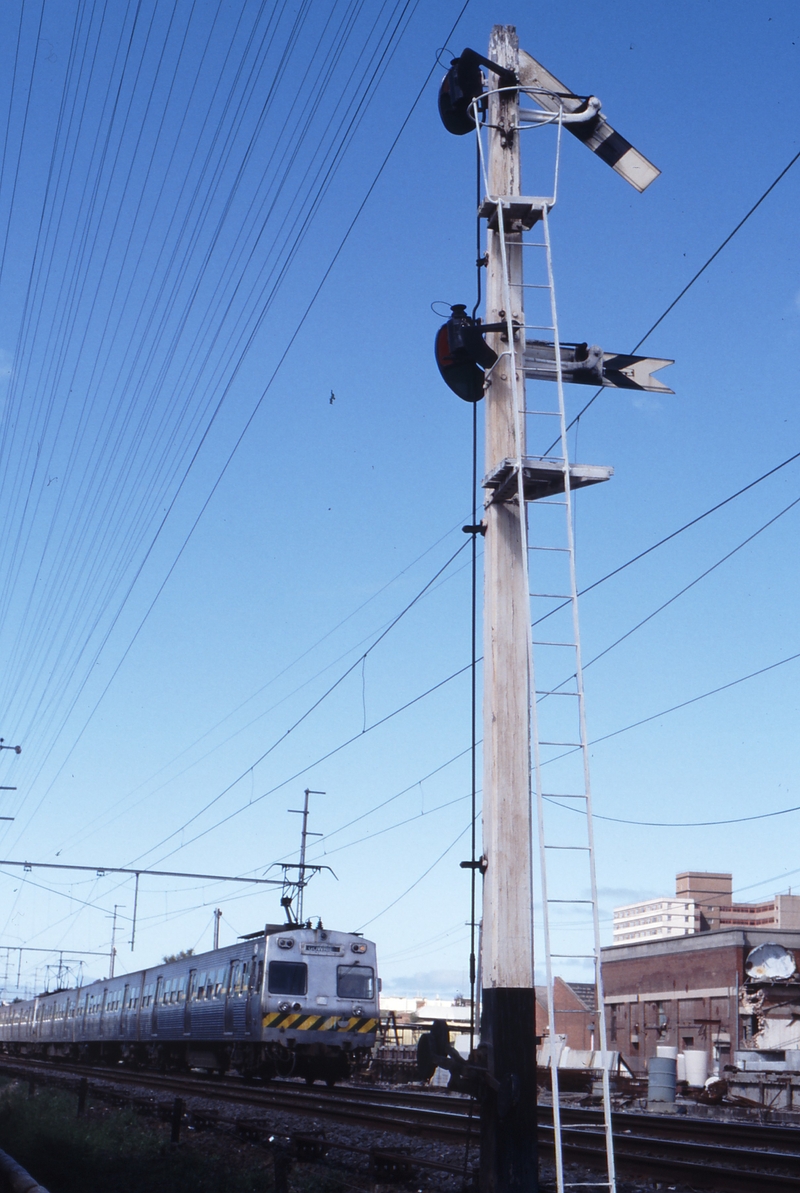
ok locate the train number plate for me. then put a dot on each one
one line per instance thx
(323, 950)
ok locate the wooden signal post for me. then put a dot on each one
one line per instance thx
(508, 1115)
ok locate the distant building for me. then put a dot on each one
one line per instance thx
(575, 1014)
(703, 902)
(663, 916)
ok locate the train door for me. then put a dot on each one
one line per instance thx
(252, 1020)
(191, 991)
(123, 1011)
(154, 1012)
(234, 972)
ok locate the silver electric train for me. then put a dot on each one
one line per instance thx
(289, 1001)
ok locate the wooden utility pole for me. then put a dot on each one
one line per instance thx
(508, 1116)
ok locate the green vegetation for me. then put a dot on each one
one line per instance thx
(181, 956)
(115, 1150)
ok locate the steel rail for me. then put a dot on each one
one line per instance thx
(731, 1156)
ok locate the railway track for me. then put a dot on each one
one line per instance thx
(700, 1152)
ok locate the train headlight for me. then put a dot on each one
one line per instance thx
(285, 942)
(357, 1010)
(358, 948)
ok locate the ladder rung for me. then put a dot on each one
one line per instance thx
(534, 286)
(576, 848)
(538, 327)
(589, 901)
(537, 642)
(578, 745)
(532, 244)
(565, 549)
(576, 956)
(553, 596)
(543, 501)
(550, 413)
(550, 795)
(538, 692)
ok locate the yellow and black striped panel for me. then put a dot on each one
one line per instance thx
(300, 1022)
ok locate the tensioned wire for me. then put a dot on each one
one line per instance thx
(472, 748)
(335, 256)
(623, 730)
(729, 499)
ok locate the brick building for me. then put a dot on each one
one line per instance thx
(574, 1013)
(693, 992)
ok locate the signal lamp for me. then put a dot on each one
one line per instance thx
(462, 354)
(461, 85)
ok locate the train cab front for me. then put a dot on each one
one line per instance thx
(320, 1002)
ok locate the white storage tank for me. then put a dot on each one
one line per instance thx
(696, 1061)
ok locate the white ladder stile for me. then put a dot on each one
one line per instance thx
(598, 972)
(577, 736)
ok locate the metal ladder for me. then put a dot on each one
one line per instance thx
(557, 709)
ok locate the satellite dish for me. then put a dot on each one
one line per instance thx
(770, 963)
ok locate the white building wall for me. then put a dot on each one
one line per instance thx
(654, 918)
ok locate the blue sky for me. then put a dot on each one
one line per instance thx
(172, 195)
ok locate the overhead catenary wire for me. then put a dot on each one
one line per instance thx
(683, 704)
(416, 881)
(690, 283)
(681, 592)
(683, 823)
(411, 786)
(347, 233)
(124, 800)
(312, 708)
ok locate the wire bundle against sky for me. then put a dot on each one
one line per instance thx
(426, 588)
(213, 260)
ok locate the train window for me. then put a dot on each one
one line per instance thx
(288, 977)
(201, 982)
(355, 981)
(236, 977)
